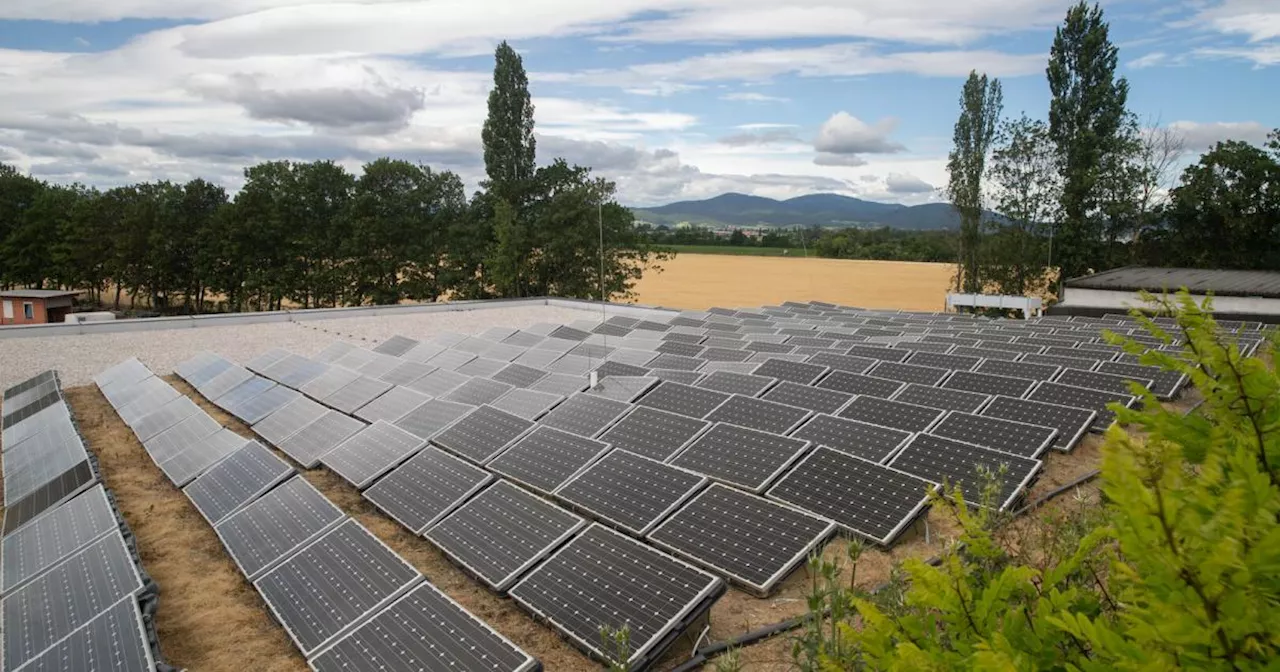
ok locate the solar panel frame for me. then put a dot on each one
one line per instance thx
(910, 373)
(258, 522)
(527, 404)
(943, 398)
(478, 392)
(989, 383)
(242, 477)
(416, 493)
(288, 419)
(406, 372)
(644, 650)
(1069, 431)
(664, 537)
(330, 546)
(728, 382)
(184, 467)
(259, 407)
(999, 434)
(54, 535)
(874, 443)
(41, 458)
(1096, 380)
(585, 414)
(358, 646)
(1082, 397)
(519, 375)
(709, 454)
(803, 373)
(1019, 369)
(307, 445)
(373, 451)
(100, 639)
(623, 388)
(561, 383)
(68, 484)
(482, 434)
(891, 413)
(907, 461)
(760, 414)
(503, 502)
(859, 384)
(1166, 384)
(356, 393)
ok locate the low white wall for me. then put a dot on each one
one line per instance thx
(1122, 301)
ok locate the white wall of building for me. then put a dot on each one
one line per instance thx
(1077, 297)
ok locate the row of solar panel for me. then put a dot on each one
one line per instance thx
(500, 502)
(70, 584)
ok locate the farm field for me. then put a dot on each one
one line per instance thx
(737, 251)
(700, 281)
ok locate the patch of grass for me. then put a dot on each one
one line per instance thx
(738, 251)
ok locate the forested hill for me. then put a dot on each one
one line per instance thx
(811, 210)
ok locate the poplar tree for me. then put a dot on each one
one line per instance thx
(980, 105)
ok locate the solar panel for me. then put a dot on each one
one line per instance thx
(752, 541)
(562, 384)
(877, 352)
(519, 375)
(842, 362)
(729, 382)
(585, 414)
(987, 383)
(766, 416)
(502, 532)
(195, 459)
(943, 361)
(243, 392)
(889, 413)
(623, 388)
(40, 398)
(629, 491)
(392, 406)
(261, 362)
(57, 490)
(114, 639)
(236, 481)
(677, 376)
(748, 458)
(450, 360)
(910, 373)
(477, 392)
(380, 365)
(439, 382)
(290, 418)
(632, 356)
(55, 535)
(35, 381)
(223, 383)
(276, 524)
(483, 366)
(1080, 397)
(943, 398)
(66, 597)
(545, 458)
(426, 487)
(423, 352)
(307, 445)
(356, 393)
(334, 583)
(334, 351)
(859, 384)
(967, 467)
(803, 373)
(816, 399)
(424, 628)
(1165, 384)
(1070, 423)
(482, 434)
(618, 369)
(259, 407)
(986, 353)
(328, 382)
(861, 439)
(652, 325)
(1026, 370)
(1084, 361)
(527, 404)
(685, 400)
(128, 372)
(207, 372)
(625, 584)
(126, 393)
(371, 452)
(432, 417)
(556, 345)
(1026, 348)
(1009, 436)
(569, 333)
(41, 458)
(395, 346)
(355, 359)
(406, 372)
(677, 362)
(1095, 380)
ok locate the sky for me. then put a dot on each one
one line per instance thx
(672, 99)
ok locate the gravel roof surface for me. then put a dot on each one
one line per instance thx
(78, 358)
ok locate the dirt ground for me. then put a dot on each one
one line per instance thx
(700, 281)
(210, 618)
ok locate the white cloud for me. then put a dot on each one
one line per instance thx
(753, 97)
(844, 133)
(1149, 60)
(1257, 19)
(1262, 55)
(1199, 137)
(905, 183)
(846, 160)
(761, 137)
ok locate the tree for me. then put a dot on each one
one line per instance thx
(980, 105)
(18, 193)
(509, 145)
(1226, 212)
(1086, 119)
(1173, 569)
(1026, 189)
(738, 238)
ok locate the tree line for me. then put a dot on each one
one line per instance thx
(881, 243)
(1090, 188)
(312, 234)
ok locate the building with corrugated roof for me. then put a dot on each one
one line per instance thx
(1239, 295)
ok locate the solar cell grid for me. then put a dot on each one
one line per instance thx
(505, 352)
(181, 436)
(943, 398)
(1095, 380)
(523, 339)
(371, 452)
(678, 362)
(450, 360)
(67, 596)
(609, 369)
(439, 382)
(559, 346)
(519, 375)
(527, 404)
(610, 330)
(355, 358)
(880, 353)
(653, 433)
(41, 458)
(284, 422)
(574, 365)
(989, 383)
(686, 400)
(356, 393)
(428, 629)
(943, 361)
(147, 403)
(545, 458)
(302, 373)
(234, 482)
(392, 406)
(502, 532)
(380, 365)
(35, 381)
(265, 404)
(195, 459)
(1008, 436)
(652, 325)
(632, 356)
(867, 441)
(847, 363)
(333, 583)
(482, 366)
(27, 403)
(585, 414)
(333, 379)
(653, 594)
(307, 445)
(967, 467)
(736, 383)
(858, 384)
(623, 388)
(395, 346)
(920, 346)
(1165, 383)
(986, 353)
(472, 345)
(55, 535)
(65, 486)
(889, 413)
(1020, 369)
(909, 373)
(1083, 362)
(114, 639)
(123, 394)
(1025, 348)
(125, 373)
(740, 456)
(1070, 423)
(243, 392)
(804, 373)
(478, 391)
(760, 344)
(426, 488)
(482, 434)
(276, 524)
(407, 372)
(563, 384)
(423, 352)
(1081, 397)
(677, 376)
(766, 416)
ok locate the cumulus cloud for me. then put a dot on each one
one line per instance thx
(847, 160)
(1199, 137)
(379, 108)
(844, 134)
(902, 183)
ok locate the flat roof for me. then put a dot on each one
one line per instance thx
(36, 293)
(1198, 280)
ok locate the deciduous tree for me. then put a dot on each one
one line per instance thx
(981, 102)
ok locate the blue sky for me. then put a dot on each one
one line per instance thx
(673, 99)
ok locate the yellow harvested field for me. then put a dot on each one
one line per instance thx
(701, 281)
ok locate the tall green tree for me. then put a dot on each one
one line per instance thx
(1026, 188)
(509, 146)
(18, 193)
(981, 102)
(1086, 121)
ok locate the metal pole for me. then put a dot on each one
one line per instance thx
(600, 219)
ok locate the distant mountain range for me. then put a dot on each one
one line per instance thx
(827, 210)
